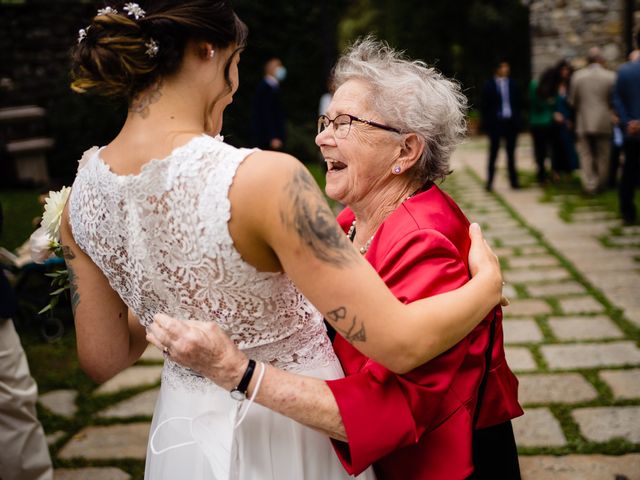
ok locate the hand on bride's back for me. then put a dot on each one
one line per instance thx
(201, 346)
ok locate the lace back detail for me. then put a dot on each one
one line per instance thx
(161, 238)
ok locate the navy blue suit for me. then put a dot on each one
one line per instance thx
(497, 126)
(267, 119)
(626, 103)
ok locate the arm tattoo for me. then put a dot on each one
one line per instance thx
(67, 253)
(305, 212)
(73, 288)
(354, 332)
(140, 104)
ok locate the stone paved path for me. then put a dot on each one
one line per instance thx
(571, 333)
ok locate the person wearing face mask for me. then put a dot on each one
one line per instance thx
(267, 119)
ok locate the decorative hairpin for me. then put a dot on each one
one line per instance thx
(134, 10)
(82, 34)
(107, 11)
(152, 48)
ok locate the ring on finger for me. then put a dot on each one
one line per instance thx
(165, 352)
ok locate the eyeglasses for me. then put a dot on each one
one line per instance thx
(342, 124)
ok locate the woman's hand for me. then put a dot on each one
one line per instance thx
(200, 346)
(482, 261)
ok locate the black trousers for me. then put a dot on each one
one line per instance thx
(495, 456)
(508, 130)
(629, 179)
(541, 143)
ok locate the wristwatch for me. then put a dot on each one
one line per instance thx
(240, 392)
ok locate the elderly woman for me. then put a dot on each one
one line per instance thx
(387, 138)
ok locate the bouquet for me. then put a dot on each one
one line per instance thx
(45, 243)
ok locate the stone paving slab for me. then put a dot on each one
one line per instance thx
(625, 384)
(520, 359)
(586, 328)
(111, 442)
(518, 240)
(538, 275)
(139, 405)
(580, 467)
(580, 305)
(538, 428)
(54, 437)
(91, 473)
(568, 287)
(527, 306)
(589, 216)
(613, 354)
(522, 331)
(601, 424)
(533, 261)
(624, 241)
(564, 388)
(131, 377)
(60, 402)
(533, 250)
(509, 291)
(152, 354)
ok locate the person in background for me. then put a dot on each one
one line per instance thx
(590, 96)
(626, 101)
(500, 111)
(542, 102)
(564, 158)
(268, 117)
(24, 454)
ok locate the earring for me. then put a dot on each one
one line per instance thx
(397, 169)
(212, 54)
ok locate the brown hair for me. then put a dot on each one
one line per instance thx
(112, 59)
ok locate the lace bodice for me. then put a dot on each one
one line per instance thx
(161, 239)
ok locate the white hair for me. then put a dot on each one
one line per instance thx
(411, 96)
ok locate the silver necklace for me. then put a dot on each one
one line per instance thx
(351, 234)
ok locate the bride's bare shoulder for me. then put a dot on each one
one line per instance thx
(266, 171)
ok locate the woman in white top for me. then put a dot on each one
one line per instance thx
(166, 219)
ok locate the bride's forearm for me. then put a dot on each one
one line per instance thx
(437, 323)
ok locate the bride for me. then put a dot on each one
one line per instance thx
(167, 219)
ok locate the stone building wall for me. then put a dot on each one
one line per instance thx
(568, 28)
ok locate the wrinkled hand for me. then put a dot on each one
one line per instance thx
(200, 346)
(482, 261)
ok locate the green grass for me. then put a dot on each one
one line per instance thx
(20, 207)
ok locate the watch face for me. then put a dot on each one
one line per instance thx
(238, 395)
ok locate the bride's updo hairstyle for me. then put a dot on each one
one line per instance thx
(129, 46)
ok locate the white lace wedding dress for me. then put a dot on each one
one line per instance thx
(161, 239)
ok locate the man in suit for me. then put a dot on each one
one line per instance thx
(267, 119)
(590, 96)
(626, 102)
(500, 110)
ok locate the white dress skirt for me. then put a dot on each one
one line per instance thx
(198, 439)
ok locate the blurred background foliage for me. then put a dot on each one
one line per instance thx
(464, 39)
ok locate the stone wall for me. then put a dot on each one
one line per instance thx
(568, 28)
(34, 49)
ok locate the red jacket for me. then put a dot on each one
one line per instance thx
(419, 425)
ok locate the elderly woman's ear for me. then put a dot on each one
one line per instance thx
(411, 149)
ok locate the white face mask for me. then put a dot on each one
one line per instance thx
(280, 73)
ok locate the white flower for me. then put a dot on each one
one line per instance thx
(152, 48)
(53, 212)
(219, 137)
(133, 9)
(40, 245)
(82, 34)
(106, 11)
